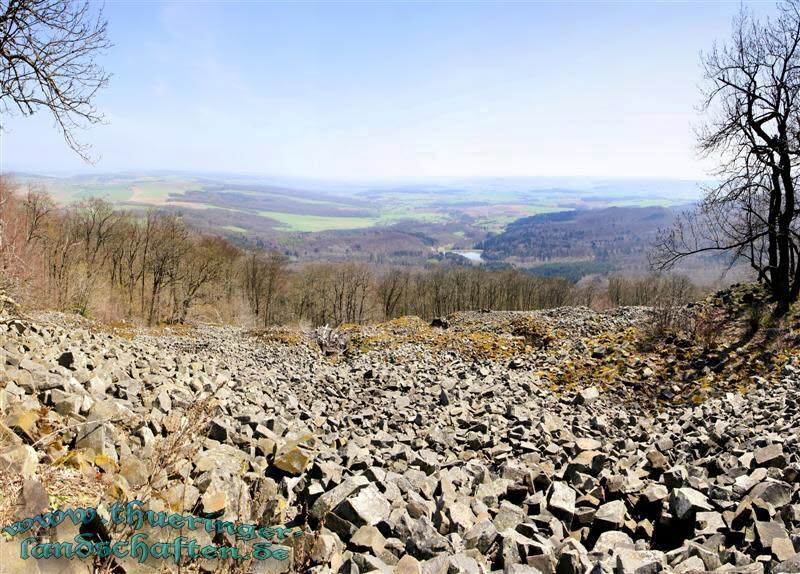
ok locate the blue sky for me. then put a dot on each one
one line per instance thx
(394, 90)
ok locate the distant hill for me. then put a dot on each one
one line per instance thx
(404, 222)
(613, 233)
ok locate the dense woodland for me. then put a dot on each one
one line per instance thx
(151, 267)
(612, 233)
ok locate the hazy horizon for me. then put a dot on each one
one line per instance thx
(393, 91)
(479, 182)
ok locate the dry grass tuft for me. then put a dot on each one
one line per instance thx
(10, 492)
(287, 336)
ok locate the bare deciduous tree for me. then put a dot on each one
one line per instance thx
(47, 61)
(168, 244)
(97, 221)
(752, 102)
(127, 259)
(262, 277)
(391, 289)
(38, 206)
(205, 261)
(253, 278)
(274, 276)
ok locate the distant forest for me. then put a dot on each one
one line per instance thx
(609, 234)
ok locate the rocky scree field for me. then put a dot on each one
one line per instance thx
(563, 441)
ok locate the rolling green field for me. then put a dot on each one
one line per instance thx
(295, 222)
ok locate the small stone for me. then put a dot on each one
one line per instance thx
(587, 396)
(612, 512)
(788, 566)
(481, 536)
(135, 472)
(508, 516)
(20, 459)
(655, 493)
(23, 420)
(573, 558)
(34, 498)
(521, 569)
(214, 501)
(675, 477)
(323, 548)
(774, 492)
(463, 563)
(425, 541)
(771, 455)
(369, 538)
(408, 565)
(218, 430)
(66, 359)
(782, 549)
(293, 459)
(708, 522)
(657, 460)
(562, 499)
(685, 501)
(369, 506)
(631, 561)
(691, 565)
(273, 565)
(332, 498)
(768, 532)
(611, 540)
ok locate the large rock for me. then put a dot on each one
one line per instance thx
(293, 459)
(771, 455)
(611, 540)
(774, 492)
(684, 502)
(562, 499)
(613, 513)
(587, 396)
(368, 506)
(334, 497)
(631, 561)
(21, 460)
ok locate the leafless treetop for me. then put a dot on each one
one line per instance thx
(47, 61)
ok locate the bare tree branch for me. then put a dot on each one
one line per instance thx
(47, 61)
(752, 105)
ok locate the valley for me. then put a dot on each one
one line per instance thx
(406, 223)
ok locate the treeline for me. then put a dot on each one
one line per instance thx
(149, 266)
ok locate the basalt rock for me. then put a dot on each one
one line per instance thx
(430, 450)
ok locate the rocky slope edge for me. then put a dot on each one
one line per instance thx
(564, 441)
